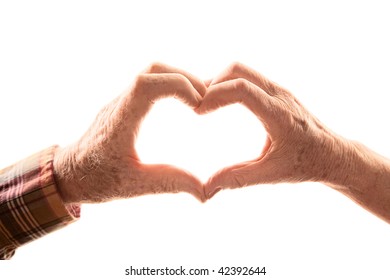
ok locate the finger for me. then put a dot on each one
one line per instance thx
(220, 179)
(161, 178)
(238, 70)
(152, 87)
(243, 92)
(160, 68)
(147, 89)
(242, 175)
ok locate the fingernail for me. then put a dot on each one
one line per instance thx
(214, 192)
(199, 110)
(202, 196)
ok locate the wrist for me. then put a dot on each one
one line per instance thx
(330, 157)
(364, 176)
(354, 167)
(341, 161)
(64, 174)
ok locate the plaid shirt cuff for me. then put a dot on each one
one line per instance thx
(30, 205)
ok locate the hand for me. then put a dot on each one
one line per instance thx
(298, 147)
(104, 165)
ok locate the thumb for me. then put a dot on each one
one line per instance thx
(242, 175)
(162, 178)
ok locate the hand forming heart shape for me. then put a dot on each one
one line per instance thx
(202, 144)
(104, 164)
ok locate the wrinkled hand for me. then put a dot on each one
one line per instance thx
(104, 165)
(298, 147)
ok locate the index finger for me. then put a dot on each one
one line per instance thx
(146, 90)
(243, 92)
(160, 68)
(238, 70)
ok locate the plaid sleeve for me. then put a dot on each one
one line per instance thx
(30, 205)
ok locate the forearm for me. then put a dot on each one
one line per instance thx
(363, 176)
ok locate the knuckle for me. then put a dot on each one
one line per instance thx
(271, 87)
(155, 67)
(241, 85)
(182, 81)
(139, 83)
(236, 67)
(180, 77)
(275, 89)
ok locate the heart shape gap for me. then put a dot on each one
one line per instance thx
(172, 133)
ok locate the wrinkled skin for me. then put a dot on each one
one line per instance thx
(298, 145)
(298, 148)
(104, 165)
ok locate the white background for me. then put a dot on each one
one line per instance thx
(60, 62)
